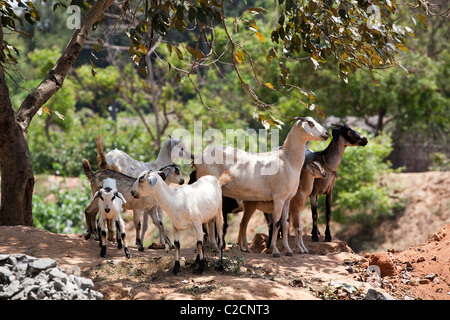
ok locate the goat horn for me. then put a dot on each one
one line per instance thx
(297, 118)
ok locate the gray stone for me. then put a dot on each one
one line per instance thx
(13, 288)
(58, 274)
(5, 275)
(374, 295)
(84, 283)
(38, 265)
(24, 277)
(3, 258)
(58, 285)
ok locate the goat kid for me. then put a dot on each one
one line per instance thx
(124, 185)
(187, 206)
(330, 159)
(110, 206)
(251, 181)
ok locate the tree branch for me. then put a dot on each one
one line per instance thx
(55, 77)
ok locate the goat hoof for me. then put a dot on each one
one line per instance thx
(289, 253)
(141, 248)
(176, 268)
(202, 267)
(328, 239)
(315, 238)
(103, 252)
(220, 267)
(276, 254)
(127, 253)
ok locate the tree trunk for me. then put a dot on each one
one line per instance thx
(17, 177)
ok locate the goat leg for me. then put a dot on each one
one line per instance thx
(90, 213)
(329, 198)
(249, 209)
(315, 231)
(176, 241)
(156, 218)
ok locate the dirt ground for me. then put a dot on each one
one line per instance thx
(418, 268)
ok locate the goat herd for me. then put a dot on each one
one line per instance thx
(278, 183)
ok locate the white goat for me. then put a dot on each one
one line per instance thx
(270, 176)
(120, 161)
(110, 205)
(187, 206)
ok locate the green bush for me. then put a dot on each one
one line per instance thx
(64, 213)
(64, 153)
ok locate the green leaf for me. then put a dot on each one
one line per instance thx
(93, 71)
(423, 19)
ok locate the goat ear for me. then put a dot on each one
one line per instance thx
(97, 194)
(119, 195)
(152, 181)
(297, 118)
(163, 173)
(166, 172)
(314, 168)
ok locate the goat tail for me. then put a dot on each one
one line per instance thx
(225, 178)
(87, 170)
(101, 158)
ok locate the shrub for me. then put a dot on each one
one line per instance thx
(64, 213)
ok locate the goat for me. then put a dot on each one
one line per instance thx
(265, 176)
(309, 173)
(330, 159)
(124, 184)
(120, 161)
(110, 204)
(187, 206)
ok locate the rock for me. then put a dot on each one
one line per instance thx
(58, 274)
(24, 277)
(430, 276)
(384, 262)
(5, 275)
(84, 283)
(374, 295)
(39, 265)
(3, 258)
